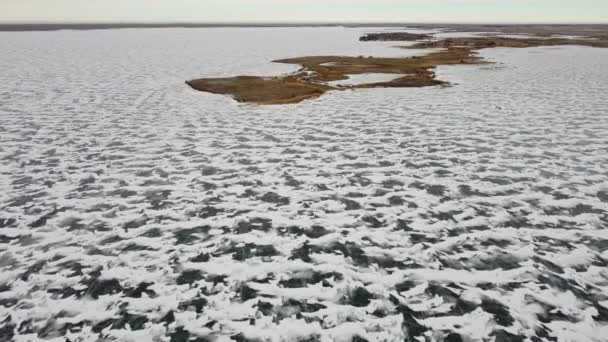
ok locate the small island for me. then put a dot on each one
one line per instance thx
(318, 73)
(394, 37)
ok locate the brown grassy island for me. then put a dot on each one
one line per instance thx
(394, 36)
(311, 80)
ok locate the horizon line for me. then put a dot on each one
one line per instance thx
(312, 22)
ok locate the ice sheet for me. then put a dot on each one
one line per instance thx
(134, 208)
(365, 79)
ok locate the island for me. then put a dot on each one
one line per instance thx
(317, 74)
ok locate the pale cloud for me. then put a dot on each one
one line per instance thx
(306, 10)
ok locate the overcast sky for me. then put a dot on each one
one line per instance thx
(578, 11)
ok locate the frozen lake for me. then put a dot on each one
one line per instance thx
(133, 208)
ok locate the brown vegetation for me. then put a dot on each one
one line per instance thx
(539, 30)
(394, 36)
(491, 42)
(261, 90)
(311, 80)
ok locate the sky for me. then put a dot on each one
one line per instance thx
(485, 11)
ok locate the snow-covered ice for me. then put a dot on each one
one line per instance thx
(365, 79)
(133, 208)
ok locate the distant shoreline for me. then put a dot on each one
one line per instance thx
(17, 27)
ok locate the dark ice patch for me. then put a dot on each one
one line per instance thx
(72, 224)
(7, 222)
(122, 193)
(136, 223)
(195, 304)
(271, 197)
(33, 269)
(433, 189)
(602, 313)
(396, 201)
(141, 288)
(543, 334)
(7, 329)
(250, 250)
(54, 329)
(453, 337)
(311, 278)
(350, 204)
(349, 250)
(499, 310)
(265, 308)
(392, 183)
(302, 253)
(445, 216)
(256, 223)
(102, 287)
(41, 221)
(359, 180)
(189, 236)
(410, 325)
(502, 243)
(435, 289)
(111, 240)
(134, 321)
(504, 336)
(292, 181)
(209, 171)
(182, 335)
(462, 307)
(189, 277)
(168, 318)
(403, 225)
(205, 212)
(291, 307)
(551, 313)
(503, 261)
(416, 238)
(563, 284)
(203, 257)
(158, 198)
(152, 233)
(578, 209)
(313, 232)
(373, 221)
(467, 191)
(134, 247)
(246, 293)
(355, 195)
(550, 265)
(359, 297)
(405, 285)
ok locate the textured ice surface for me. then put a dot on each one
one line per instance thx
(365, 79)
(136, 209)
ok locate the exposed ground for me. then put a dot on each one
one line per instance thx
(591, 30)
(311, 80)
(492, 42)
(394, 36)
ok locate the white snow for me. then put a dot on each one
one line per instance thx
(108, 159)
(365, 79)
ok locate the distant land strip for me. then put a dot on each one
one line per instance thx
(586, 29)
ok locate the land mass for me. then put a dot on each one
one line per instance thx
(313, 78)
(394, 36)
(540, 30)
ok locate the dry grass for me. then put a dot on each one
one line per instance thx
(311, 81)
